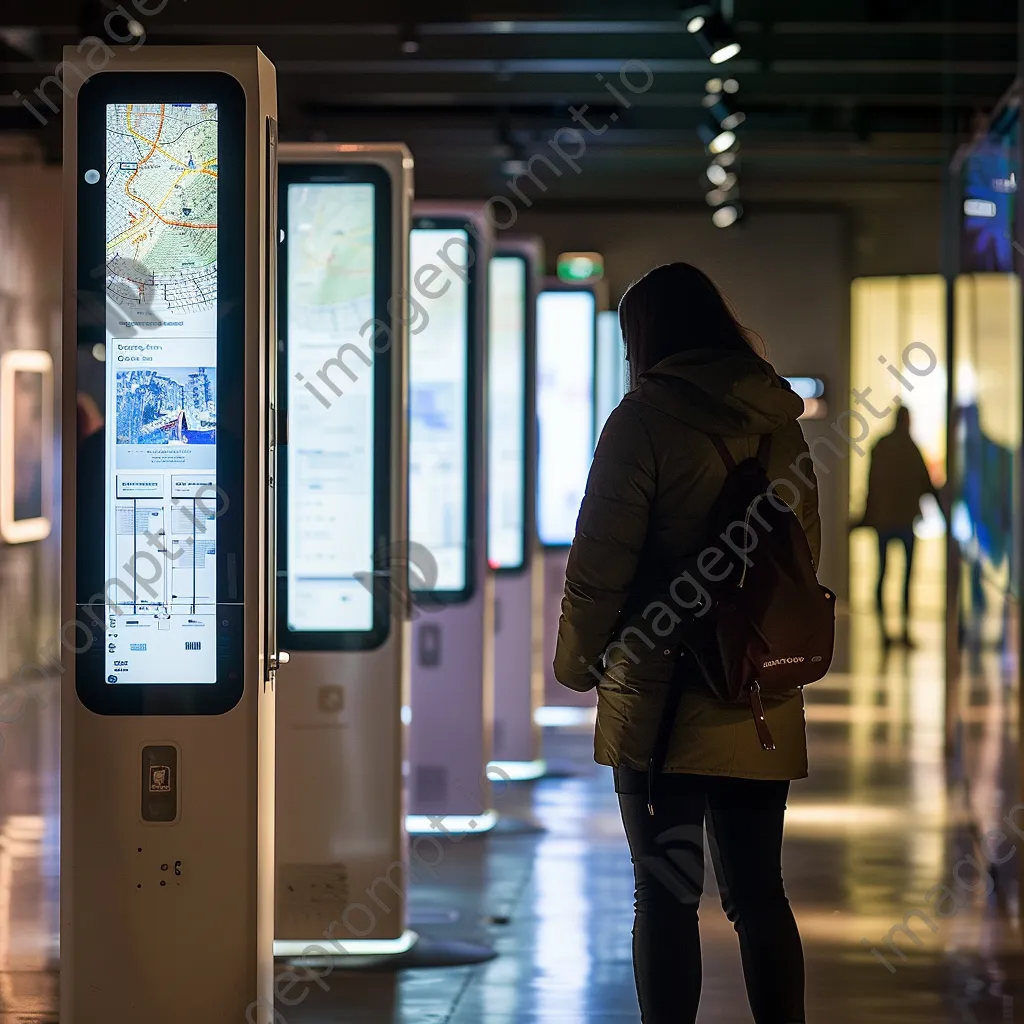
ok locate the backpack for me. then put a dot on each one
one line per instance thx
(768, 626)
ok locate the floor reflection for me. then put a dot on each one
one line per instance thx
(882, 825)
(883, 821)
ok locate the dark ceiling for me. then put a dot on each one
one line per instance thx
(841, 96)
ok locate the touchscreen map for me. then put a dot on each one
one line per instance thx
(161, 392)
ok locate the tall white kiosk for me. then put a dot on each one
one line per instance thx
(169, 654)
(511, 469)
(453, 625)
(566, 436)
(611, 375)
(343, 360)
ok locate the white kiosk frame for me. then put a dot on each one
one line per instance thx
(341, 842)
(518, 592)
(168, 916)
(555, 554)
(452, 700)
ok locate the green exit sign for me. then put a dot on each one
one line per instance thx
(580, 266)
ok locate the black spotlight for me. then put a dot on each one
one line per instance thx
(715, 36)
(727, 214)
(724, 111)
(408, 40)
(723, 180)
(716, 138)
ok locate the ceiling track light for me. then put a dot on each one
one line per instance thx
(713, 86)
(716, 138)
(724, 111)
(727, 215)
(715, 36)
(408, 40)
(721, 178)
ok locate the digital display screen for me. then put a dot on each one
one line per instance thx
(990, 176)
(565, 409)
(162, 498)
(506, 412)
(159, 546)
(612, 369)
(440, 399)
(26, 411)
(329, 483)
(28, 445)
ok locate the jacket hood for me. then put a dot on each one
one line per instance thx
(716, 392)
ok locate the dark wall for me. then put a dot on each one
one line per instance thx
(787, 275)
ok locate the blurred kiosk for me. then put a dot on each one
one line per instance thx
(566, 402)
(453, 623)
(611, 368)
(511, 468)
(343, 264)
(167, 823)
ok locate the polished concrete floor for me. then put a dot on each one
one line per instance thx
(884, 818)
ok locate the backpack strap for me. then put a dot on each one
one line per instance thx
(730, 462)
(764, 449)
(666, 726)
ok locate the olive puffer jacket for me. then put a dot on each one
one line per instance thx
(655, 476)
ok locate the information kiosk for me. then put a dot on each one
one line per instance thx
(453, 615)
(343, 265)
(169, 653)
(566, 404)
(611, 368)
(511, 469)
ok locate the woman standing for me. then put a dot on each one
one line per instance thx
(655, 477)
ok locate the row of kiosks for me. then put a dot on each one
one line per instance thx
(338, 477)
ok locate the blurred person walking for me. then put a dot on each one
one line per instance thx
(702, 393)
(897, 481)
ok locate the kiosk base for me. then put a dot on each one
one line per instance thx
(421, 953)
(452, 824)
(517, 771)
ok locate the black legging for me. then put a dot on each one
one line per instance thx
(744, 822)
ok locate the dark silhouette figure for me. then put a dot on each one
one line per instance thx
(897, 481)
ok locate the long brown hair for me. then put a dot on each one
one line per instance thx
(677, 308)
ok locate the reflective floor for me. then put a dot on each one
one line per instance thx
(883, 821)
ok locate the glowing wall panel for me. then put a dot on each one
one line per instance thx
(987, 399)
(896, 321)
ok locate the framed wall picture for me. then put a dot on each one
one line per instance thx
(26, 446)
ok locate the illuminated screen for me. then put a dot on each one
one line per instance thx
(28, 445)
(990, 175)
(161, 394)
(506, 412)
(896, 321)
(439, 401)
(986, 517)
(160, 509)
(612, 370)
(329, 274)
(565, 409)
